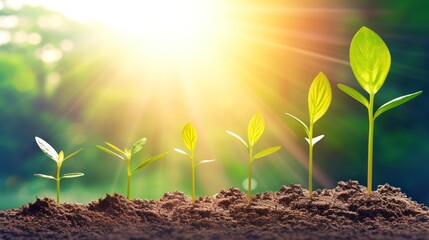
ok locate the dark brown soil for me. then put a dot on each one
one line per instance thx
(346, 212)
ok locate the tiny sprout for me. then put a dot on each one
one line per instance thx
(59, 159)
(254, 132)
(189, 137)
(127, 154)
(319, 99)
(370, 61)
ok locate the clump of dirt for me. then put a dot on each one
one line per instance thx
(345, 212)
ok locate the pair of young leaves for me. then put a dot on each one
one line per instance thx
(59, 158)
(128, 153)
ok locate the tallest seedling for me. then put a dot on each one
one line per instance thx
(370, 62)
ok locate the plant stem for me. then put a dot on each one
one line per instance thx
(370, 140)
(193, 182)
(249, 176)
(310, 161)
(58, 184)
(129, 179)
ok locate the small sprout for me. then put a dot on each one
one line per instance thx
(370, 62)
(189, 137)
(319, 99)
(126, 155)
(59, 159)
(254, 132)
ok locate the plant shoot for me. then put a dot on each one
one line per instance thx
(370, 61)
(254, 132)
(59, 158)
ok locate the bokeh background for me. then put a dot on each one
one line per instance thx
(78, 73)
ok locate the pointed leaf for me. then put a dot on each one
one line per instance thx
(238, 137)
(181, 151)
(396, 102)
(115, 148)
(319, 97)
(72, 175)
(138, 146)
(205, 161)
(255, 128)
(189, 136)
(354, 94)
(266, 152)
(315, 139)
(47, 149)
(150, 160)
(71, 155)
(369, 59)
(307, 131)
(110, 152)
(44, 176)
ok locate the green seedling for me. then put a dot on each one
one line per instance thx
(370, 62)
(127, 154)
(189, 137)
(319, 99)
(59, 158)
(254, 132)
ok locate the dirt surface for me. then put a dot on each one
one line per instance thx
(346, 212)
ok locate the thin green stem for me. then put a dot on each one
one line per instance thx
(193, 177)
(129, 178)
(249, 176)
(370, 140)
(58, 183)
(310, 161)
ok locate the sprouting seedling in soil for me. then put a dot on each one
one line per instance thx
(319, 99)
(189, 137)
(254, 132)
(370, 62)
(59, 158)
(127, 154)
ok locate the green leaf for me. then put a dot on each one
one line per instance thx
(396, 102)
(238, 137)
(47, 149)
(115, 148)
(354, 94)
(189, 136)
(71, 155)
(205, 161)
(150, 160)
(44, 176)
(266, 152)
(255, 128)
(307, 131)
(110, 152)
(315, 139)
(138, 146)
(72, 175)
(319, 97)
(369, 59)
(181, 151)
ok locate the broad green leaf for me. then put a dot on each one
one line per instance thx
(307, 131)
(71, 155)
(150, 160)
(72, 175)
(396, 102)
(354, 94)
(205, 161)
(60, 158)
(189, 136)
(115, 148)
(238, 137)
(255, 128)
(266, 152)
(319, 97)
(110, 152)
(47, 149)
(315, 139)
(369, 59)
(44, 176)
(138, 146)
(181, 151)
